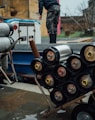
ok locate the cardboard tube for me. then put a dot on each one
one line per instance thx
(33, 47)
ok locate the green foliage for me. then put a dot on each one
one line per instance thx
(72, 35)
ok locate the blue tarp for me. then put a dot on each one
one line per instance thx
(20, 20)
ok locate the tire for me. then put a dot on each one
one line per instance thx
(83, 112)
(91, 99)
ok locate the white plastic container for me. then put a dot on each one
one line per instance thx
(25, 27)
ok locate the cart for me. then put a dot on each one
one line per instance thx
(82, 110)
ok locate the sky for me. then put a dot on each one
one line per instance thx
(71, 7)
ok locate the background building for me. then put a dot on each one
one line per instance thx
(28, 9)
(91, 13)
(25, 9)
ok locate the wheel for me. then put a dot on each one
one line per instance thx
(83, 112)
(92, 99)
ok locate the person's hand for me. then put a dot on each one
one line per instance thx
(40, 17)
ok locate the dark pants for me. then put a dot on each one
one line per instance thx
(52, 21)
(4, 61)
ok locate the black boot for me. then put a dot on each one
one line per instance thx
(1, 87)
(52, 38)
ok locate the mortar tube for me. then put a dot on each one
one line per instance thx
(75, 64)
(87, 54)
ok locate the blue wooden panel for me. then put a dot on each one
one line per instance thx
(23, 58)
(22, 62)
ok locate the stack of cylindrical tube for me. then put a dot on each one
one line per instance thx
(66, 74)
(6, 41)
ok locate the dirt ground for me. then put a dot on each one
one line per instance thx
(16, 104)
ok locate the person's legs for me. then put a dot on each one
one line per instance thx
(4, 62)
(4, 65)
(52, 21)
(1, 87)
(52, 38)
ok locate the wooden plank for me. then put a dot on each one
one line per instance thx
(49, 112)
(88, 39)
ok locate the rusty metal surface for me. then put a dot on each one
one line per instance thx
(18, 104)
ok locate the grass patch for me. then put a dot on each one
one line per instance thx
(71, 35)
(74, 34)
